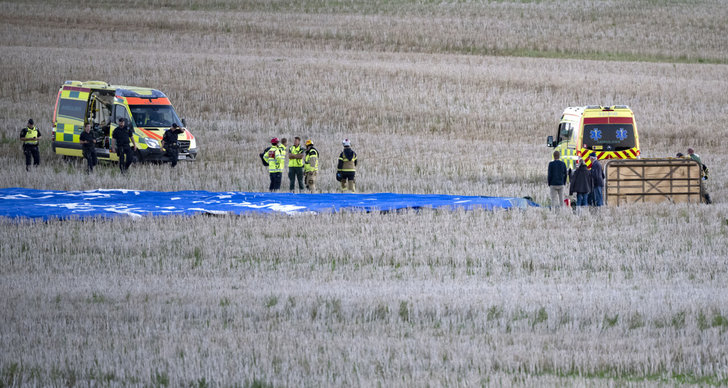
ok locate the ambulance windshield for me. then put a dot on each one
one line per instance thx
(154, 115)
(608, 137)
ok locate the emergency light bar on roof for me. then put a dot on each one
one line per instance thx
(607, 108)
(130, 93)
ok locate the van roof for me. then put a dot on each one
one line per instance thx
(133, 91)
(120, 90)
(607, 108)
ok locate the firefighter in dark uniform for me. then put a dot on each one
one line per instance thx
(122, 135)
(170, 143)
(29, 136)
(88, 146)
(346, 168)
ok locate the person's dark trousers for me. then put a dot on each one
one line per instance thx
(126, 157)
(275, 181)
(90, 155)
(581, 199)
(293, 174)
(173, 154)
(31, 151)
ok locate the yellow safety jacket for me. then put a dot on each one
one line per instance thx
(295, 162)
(346, 164)
(30, 133)
(311, 160)
(275, 159)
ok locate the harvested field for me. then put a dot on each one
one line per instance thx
(449, 98)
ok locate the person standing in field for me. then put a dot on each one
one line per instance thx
(581, 184)
(170, 143)
(88, 147)
(310, 166)
(275, 160)
(556, 180)
(123, 135)
(295, 164)
(346, 168)
(283, 145)
(597, 174)
(703, 174)
(29, 136)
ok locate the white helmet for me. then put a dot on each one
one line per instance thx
(346, 143)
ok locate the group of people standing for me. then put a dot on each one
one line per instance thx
(123, 144)
(587, 183)
(303, 165)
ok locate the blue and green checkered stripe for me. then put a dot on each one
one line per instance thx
(68, 132)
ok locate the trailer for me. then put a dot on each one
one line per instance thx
(674, 180)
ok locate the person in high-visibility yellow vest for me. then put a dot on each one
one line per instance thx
(295, 164)
(283, 146)
(29, 136)
(276, 160)
(310, 166)
(346, 169)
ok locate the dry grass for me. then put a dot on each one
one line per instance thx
(402, 305)
(477, 298)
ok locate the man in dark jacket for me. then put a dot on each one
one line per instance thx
(581, 184)
(170, 143)
(557, 180)
(88, 147)
(123, 135)
(597, 174)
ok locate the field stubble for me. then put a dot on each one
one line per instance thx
(447, 298)
(400, 304)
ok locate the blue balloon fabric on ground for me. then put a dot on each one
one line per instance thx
(48, 204)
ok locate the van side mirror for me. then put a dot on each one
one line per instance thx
(184, 123)
(550, 141)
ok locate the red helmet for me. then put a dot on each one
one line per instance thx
(274, 140)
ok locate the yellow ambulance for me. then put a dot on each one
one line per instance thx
(102, 105)
(609, 132)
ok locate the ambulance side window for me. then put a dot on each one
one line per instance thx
(565, 131)
(72, 108)
(120, 112)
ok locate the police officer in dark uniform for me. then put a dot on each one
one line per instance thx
(170, 143)
(29, 136)
(122, 135)
(88, 146)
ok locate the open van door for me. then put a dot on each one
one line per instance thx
(120, 111)
(68, 120)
